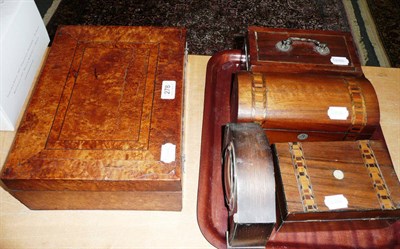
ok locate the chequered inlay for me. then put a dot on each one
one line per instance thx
(376, 175)
(358, 112)
(259, 97)
(303, 180)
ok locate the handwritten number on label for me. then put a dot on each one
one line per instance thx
(168, 89)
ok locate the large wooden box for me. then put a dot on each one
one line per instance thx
(348, 181)
(103, 128)
(306, 107)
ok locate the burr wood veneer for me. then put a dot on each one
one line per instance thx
(92, 134)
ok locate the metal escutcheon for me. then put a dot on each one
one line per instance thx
(302, 136)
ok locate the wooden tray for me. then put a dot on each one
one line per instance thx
(211, 211)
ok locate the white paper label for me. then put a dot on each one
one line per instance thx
(338, 113)
(340, 61)
(336, 202)
(168, 89)
(168, 153)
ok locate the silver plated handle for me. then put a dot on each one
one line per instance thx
(286, 45)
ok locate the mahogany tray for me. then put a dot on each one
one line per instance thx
(211, 211)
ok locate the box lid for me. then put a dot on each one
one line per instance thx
(106, 114)
(337, 180)
(291, 50)
(306, 102)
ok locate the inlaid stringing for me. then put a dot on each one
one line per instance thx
(303, 180)
(376, 175)
(358, 112)
(259, 96)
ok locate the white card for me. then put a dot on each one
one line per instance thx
(340, 61)
(336, 202)
(338, 113)
(168, 153)
(168, 89)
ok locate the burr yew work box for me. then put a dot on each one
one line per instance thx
(103, 128)
(339, 181)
